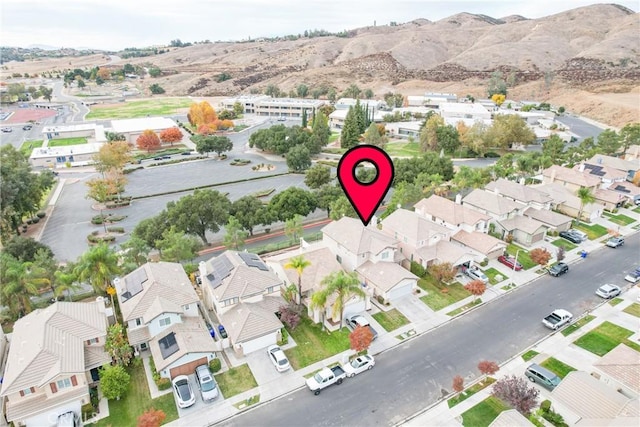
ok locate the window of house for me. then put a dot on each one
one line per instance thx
(339, 259)
(272, 289)
(65, 383)
(384, 255)
(165, 321)
(27, 391)
(92, 341)
(139, 321)
(185, 307)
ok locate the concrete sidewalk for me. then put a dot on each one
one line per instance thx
(423, 319)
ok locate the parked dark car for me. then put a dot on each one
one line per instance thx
(558, 269)
(572, 237)
(223, 331)
(27, 127)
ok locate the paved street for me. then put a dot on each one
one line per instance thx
(418, 372)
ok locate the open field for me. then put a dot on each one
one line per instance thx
(136, 109)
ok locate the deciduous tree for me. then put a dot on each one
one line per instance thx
(298, 158)
(175, 246)
(458, 384)
(292, 201)
(327, 194)
(151, 418)
(293, 228)
(25, 248)
(443, 272)
(487, 367)
(234, 236)
(171, 135)
(373, 136)
(250, 211)
(100, 190)
(202, 211)
(341, 207)
(114, 381)
(317, 176)
(516, 391)
(148, 141)
(290, 315)
(476, 287)
(201, 113)
(509, 129)
(360, 338)
(540, 256)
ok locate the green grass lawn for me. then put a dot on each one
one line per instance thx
(28, 146)
(605, 338)
(314, 344)
(436, 299)
(637, 210)
(577, 325)
(134, 109)
(334, 137)
(562, 243)
(594, 231)
(529, 355)
(492, 273)
(484, 412)
(461, 397)
(615, 301)
(67, 141)
(633, 309)
(403, 149)
(125, 412)
(235, 381)
(523, 256)
(465, 307)
(619, 219)
(559, 368)
(390, 320)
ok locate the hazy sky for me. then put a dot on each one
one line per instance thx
(116, 24)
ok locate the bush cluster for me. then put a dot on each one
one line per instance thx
(215, 365)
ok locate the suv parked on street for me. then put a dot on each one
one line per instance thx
(614, 242)
(571, 236)
(558, 269)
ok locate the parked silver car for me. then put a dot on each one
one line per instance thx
(206, 383)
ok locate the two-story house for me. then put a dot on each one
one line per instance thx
(53, 359)
(367, 251)
(322, 262)
(245, 295)
(160, 310)
(583, 177)
(424, 241)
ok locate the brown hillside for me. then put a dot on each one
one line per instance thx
(575, 58)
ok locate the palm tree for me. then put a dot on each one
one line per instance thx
(66, 281)
(97, 266)
(298, 263)
(20, 283)
(586, 196)
(345, 285)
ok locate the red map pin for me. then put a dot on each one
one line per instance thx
(365, 197)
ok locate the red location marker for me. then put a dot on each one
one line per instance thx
(365, 197)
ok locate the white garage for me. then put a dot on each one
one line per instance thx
(251, 326)
(388, 279)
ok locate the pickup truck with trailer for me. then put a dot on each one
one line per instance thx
(557, 319)
(326, 377)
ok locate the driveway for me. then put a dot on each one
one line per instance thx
(200, 405)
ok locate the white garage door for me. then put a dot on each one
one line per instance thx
(259, 343)
(399, 291)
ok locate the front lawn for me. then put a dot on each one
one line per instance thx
(633, 309)
(562, 243)
(529, 355)
(523, 256)
(403, 149)
(465, 307)
(125, 412)
(67, 141)
(594, 231)
(461, 397)
(484, 412)
(440, 296)
(235, 381)
(577, 325)
(390, 320)
(615, 301)
(554, 365)
(492, 273)
(605, 338)
(314, 344)
(619, 219)
(636, 210)
(136, 109)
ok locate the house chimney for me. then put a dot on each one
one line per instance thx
(521, 181)
(458, 199)
(581, 168)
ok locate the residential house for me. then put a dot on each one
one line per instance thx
(453, 215)
(522, 229)
(245, 295)
(620, 369)
(565, 201)
(492, 204)
(485, 245)
(632, 154)
(367, 250)
(510, 418)
(630, 165)
(523, 194)
(570, 178)
(553, 221)
(53, 360)
(592, 402)
(423, 241)
(322, 262)
(160, 309)
(607, 174)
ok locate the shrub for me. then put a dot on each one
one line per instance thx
(545, 405)
(417, 269)
(285, 337)
(215, 365)
(97, 220)
(492, 154)
(163, 383)
(115, 229)
(484, 262)
(87, 411)
(41, 214)
(554, 418)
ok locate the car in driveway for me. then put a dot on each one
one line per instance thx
(614, 242)
(475, 273)
(608, 291)
(558, 269)
(278, 358)
(359, 364)
(633, 276)
(570, 236)
(358, 320)
(510, 262)
(183, 391)
(206, 383)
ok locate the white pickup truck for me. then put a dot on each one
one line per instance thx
(557, 319)
(325, 378)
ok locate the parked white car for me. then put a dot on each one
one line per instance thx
(183, 391)
(608, 291)
(278, 358)
(359, 364)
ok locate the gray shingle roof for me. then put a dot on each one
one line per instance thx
(559, 173)
(356, 238)
(191, 335)
(161, 287)
(522, 193)
(384, 275)
(49, 342)
(410, 224)
(247, 321)
(481, 242)
(490, 202)
(522, 223)
(623, 364)
(449, 211)
(551, 218)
